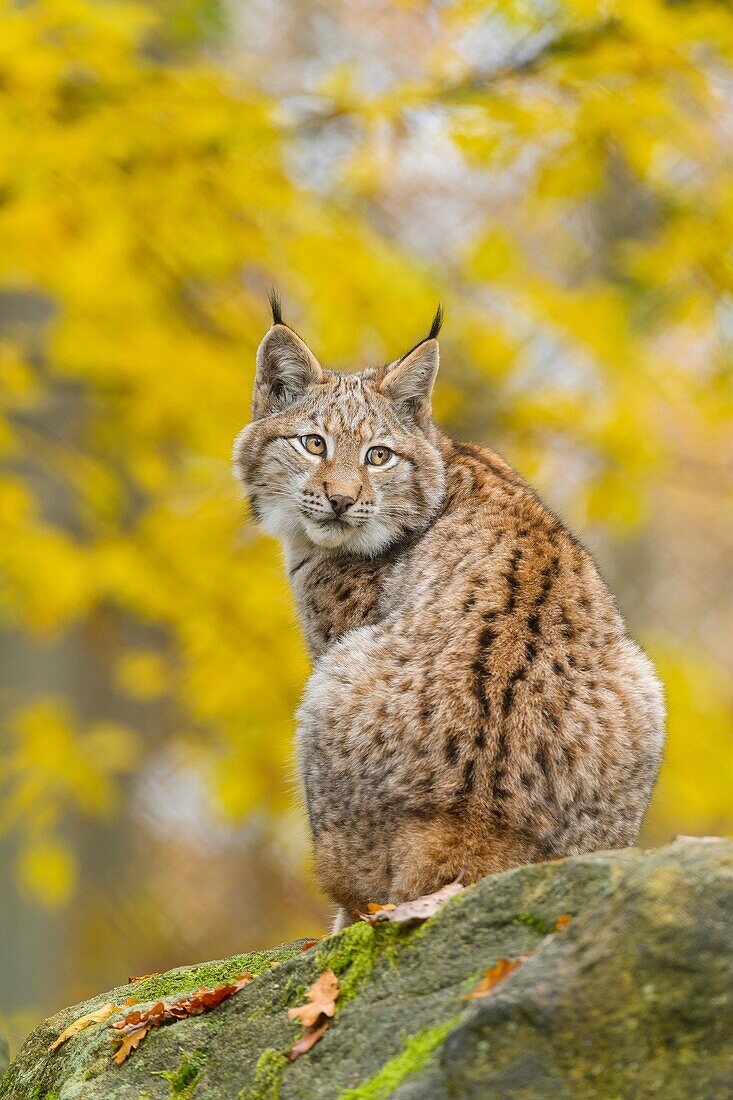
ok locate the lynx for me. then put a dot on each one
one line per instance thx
(475, 701)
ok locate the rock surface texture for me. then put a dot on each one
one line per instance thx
(632, 998)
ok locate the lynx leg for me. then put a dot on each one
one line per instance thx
(342, 920)
(429, 855)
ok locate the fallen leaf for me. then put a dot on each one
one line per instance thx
(308, 944)
(494, 975)
(413, 911)
(315, 1015)
(143, 978)
(131, 1042)
(86, 1021)
(133, 1028)
(308, 1039)
(562, 922)
(322, 1000)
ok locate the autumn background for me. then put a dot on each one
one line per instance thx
(558, 172)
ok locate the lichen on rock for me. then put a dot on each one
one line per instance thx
(633, 997)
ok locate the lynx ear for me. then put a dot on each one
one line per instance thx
(286, 368)
(409, 383)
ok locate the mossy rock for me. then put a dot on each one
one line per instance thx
(634, 998)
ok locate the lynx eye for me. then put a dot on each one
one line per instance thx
(313, 444)
(377, 456)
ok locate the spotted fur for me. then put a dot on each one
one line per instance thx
(475, 702)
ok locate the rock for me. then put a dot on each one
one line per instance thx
(633, 998)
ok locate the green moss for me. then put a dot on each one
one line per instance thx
(537, 923)
(268, 1075)
(183, 1080)
(412, 1058)
(353, 953)
(184, 979)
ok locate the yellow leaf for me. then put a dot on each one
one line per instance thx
(84, 1022)
(142, 674)
(47, 871)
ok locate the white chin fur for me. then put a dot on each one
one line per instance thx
(329, 534)
(367, 538)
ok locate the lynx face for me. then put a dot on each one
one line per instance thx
(345, 461)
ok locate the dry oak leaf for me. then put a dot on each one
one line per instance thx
(308, 944)
(86, 1021)
(129, 1043)
(308, 1039)
(143, 977)
(322, 1000)
(494, 975)
(133, 1028)
(314, 1016)
(413, 911)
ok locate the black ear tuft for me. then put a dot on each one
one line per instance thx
(436, 325)
(432, 335)
(276, 307)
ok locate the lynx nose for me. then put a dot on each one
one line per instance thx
(340, 503)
